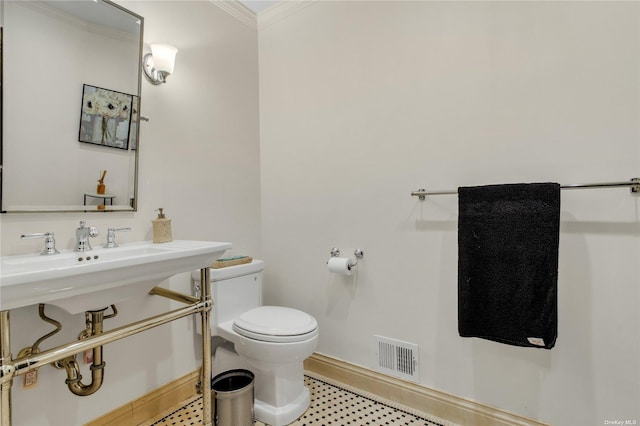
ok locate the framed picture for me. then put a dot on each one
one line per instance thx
(105, 117)
(135, 119)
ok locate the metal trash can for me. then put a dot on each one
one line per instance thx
(232, 395)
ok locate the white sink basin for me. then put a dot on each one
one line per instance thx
(92, 280)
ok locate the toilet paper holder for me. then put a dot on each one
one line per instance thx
(359, 254)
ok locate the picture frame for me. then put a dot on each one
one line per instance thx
(105, 117)
(135, 121)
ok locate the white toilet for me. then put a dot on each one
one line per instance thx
(270, 341)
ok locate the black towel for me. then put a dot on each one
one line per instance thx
(508, 263)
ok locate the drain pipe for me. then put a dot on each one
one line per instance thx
(74, 377)
(94, 322)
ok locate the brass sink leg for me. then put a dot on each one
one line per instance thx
(6, 370)
(204, 386)
(205, 298)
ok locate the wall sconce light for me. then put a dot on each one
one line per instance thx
(158, 64)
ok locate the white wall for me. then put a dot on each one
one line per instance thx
(200, 161)
(363, 102)
(360, 103)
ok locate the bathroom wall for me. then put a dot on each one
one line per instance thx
(363, 102)
(200, 161)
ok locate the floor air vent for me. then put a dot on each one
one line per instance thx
(396, 358)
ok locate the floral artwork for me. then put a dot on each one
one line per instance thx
(105, 117)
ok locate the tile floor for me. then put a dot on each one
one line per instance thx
(331, 404)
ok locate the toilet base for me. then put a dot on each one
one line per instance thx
(282, 385)
(281, 416)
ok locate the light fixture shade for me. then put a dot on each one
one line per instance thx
(164, 57)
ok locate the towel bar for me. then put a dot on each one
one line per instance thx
(633, 183)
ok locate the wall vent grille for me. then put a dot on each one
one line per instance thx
(396, 358)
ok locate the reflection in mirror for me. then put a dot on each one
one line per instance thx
(51, 49)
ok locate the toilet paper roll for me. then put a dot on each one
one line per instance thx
(339, 265)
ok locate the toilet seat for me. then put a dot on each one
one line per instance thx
(276, 324)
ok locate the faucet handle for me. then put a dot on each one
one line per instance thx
(93, 231)
(82, 236)
(83, 225)
(49, 241)
(111, 236)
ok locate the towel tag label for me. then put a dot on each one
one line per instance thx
(538, 341)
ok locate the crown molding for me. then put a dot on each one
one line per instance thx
(280, 11)
(238, 11)
(265, 18)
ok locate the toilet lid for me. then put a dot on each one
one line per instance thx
(276, 324)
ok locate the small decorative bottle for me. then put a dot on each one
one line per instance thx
(101, 186)
(161, 228)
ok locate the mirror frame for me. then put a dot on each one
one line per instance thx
(80, 208)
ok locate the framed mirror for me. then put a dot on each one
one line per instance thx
(58, 154)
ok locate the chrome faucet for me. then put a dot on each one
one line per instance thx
(82, 236)
(111, 236)
(49, 241)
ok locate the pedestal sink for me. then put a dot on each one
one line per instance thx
(79, 282)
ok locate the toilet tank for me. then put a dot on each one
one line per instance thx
(234, 290)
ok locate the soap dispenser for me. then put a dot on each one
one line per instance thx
(161, 228)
